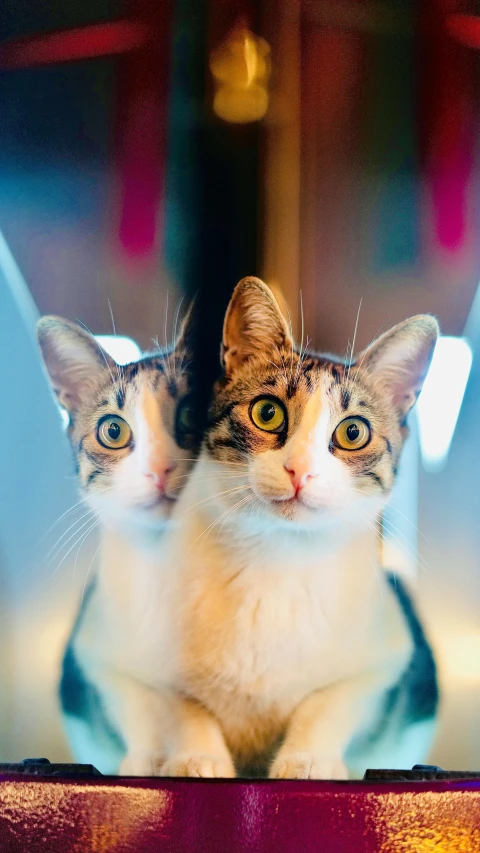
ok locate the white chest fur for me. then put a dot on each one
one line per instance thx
(248, 625)
(266, 620)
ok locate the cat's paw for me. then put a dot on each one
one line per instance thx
(307, 765)
(142, 764)
(200, 765)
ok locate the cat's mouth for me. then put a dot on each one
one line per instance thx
(297, 506)
(158, 500)
(290, 506)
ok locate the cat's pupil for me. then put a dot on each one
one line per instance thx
(114, 431)
(267, 412)
(353, 432)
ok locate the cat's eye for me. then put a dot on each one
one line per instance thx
(268, 414)
(185, 416)
(113, 432)
(352, 434)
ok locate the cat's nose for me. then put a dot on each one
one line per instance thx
(299, 476)
(160, 475)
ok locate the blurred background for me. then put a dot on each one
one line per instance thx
(153, 149)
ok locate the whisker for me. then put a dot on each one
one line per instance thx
(409, 521)
(102, 352)
(184, 353)
(68, 511)
(195, 459)
(81, 539)
(353, 342)
(301, 339)
(409, 545)
(282, 372)
(401, 537)
(77, 555)
(214, 498)
(119, 371)
(365, 352)
(240, 503)
(175, 332)
(90, 514)
(291, 335)
(88, 572)
(304, 354)
(207, 478)
(210, 526)
(59, 519)
(283, 365)
(167, 364)
(347, 354)
(74, 524)
(390, 507)
(177, 315)
(405, 544)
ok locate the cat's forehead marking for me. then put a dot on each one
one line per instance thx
(120, 398)
(150, 431)
(310, 415)
(148, 407)
(121, 390)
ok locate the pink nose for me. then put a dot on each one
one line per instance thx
(160, 476)
(299, 477)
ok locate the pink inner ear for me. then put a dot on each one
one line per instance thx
(404, 380)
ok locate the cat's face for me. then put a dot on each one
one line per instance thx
(315, 444)
(130, 427)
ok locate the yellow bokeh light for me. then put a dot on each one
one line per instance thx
(241, 69)
(460, 656)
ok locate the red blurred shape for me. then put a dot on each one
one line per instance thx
(141, 132)
(113, 37)
(448, 123)
(465, 29)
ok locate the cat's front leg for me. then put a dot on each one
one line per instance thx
(196, 746)
(322, 727)
(140, 714)
(165, 734)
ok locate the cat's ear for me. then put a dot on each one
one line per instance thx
(73, 359)
(400, 359)
(253, 324)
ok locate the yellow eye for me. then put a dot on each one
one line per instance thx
(268, 414)
(113, 432)
(352, 434)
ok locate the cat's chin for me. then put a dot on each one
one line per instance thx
(160, 505)
(154, 513)
(149, 515)
(295, 513)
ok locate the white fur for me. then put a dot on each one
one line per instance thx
(249, 623)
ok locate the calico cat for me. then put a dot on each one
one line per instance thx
(281, 646)
(134, 441)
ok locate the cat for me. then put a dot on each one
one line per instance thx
(133, 435)
(281, 647)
